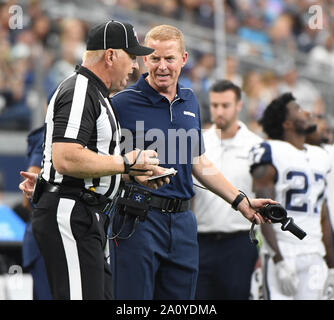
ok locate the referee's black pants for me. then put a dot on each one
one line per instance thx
(72, 236)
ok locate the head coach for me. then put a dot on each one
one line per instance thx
(160, 259)
(82, 165)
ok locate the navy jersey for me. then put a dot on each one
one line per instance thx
(149, 121)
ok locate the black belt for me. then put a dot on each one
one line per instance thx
(168, 204)
(89, 197)
(48, 187)
(220, 235)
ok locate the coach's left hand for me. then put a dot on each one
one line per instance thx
(153, 184)
(250, 213)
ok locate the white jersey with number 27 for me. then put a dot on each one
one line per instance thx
(300, 188)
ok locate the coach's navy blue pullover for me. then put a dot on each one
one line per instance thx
(172, 129)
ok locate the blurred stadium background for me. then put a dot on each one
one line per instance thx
(265, 46)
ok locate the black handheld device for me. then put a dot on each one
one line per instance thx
(277, 214)
(168, 173)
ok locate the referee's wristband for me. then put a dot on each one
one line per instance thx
(132, 178)
(126, 164)
(237, 200)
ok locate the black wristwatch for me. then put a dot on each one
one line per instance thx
(237, 200)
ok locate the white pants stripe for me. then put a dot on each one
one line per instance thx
(64, 212)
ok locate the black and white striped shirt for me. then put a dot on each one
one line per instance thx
(80, 112)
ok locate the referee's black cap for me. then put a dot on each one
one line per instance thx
(116, 35)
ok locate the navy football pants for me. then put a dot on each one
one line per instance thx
(159, 261)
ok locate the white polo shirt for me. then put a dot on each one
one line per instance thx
(230, 156)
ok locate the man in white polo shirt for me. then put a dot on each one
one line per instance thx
(226, 255)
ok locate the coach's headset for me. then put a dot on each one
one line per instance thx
(276, 214)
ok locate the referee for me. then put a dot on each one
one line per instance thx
(82, 165)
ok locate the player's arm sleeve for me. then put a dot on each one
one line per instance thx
(260, 154)
(75, 121)
(263, 171)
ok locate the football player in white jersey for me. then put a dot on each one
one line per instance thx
(294, 174)
(322, 138)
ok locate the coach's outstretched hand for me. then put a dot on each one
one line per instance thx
(250, 213)
(156, 183)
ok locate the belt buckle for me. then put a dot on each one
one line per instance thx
(172, 205)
